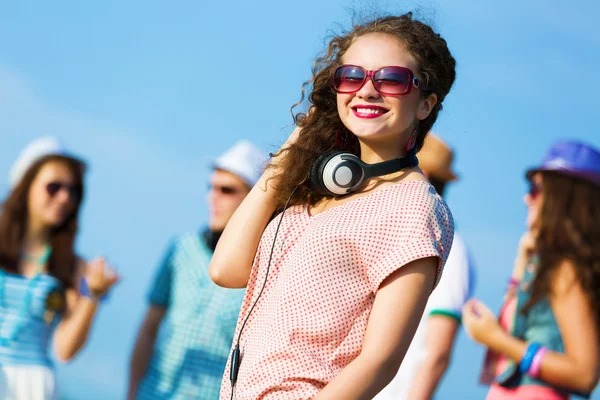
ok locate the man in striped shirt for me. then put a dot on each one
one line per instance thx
(185, 338)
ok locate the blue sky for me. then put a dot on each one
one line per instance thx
(138, 89)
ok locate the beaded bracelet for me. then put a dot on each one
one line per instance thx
(536, 364)
(527, 359)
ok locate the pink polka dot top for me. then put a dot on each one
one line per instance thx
(326, 268)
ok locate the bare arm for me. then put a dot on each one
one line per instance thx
(439, 341)
(232, 260)
(142, 350)
(397, 310)
(581, 362)
(443, 322)
(73, 331)
(578, 368)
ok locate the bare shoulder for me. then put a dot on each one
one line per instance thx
(415, 175)
(564, 278)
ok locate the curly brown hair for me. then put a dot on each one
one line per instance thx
(13, 224)
(323, 130)
(569, 229)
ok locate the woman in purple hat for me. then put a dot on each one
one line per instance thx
(546, 344)
(41, 277)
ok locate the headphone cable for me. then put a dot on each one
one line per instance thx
(235, 355)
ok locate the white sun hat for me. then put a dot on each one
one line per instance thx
(33, 152)
(245, 160)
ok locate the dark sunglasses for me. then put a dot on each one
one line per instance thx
(394, 81)
(54, 187)
(227, 190)
(535, 189)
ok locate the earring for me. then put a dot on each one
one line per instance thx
(412, 139)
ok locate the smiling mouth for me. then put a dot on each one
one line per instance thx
(368, 112)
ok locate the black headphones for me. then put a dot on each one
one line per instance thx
(338, 173)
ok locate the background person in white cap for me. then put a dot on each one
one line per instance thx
(41, 277)
(196, 317)
(429, 354)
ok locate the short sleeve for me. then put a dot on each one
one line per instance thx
(456, 284)
(160, 291)
(425, 229)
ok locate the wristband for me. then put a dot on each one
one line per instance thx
(536, 364)
(527, 359)
(85, 291)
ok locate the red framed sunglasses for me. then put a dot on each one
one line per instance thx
(392, 81)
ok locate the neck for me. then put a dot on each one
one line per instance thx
(36, 238)
(372, 153)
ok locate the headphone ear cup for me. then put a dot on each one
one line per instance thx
(316, 173)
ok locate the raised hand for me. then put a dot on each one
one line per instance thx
(100, 277)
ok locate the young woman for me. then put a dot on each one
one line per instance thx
(40, 275)
(546, 344)
(335, 293)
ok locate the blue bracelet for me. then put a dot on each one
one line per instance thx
(85, 291)
(527, 359)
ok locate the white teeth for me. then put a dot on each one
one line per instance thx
(369, 111)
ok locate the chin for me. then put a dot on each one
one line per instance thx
(369, 130)
(55, 223)
(371, 135)
(216, 226)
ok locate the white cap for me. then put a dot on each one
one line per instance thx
(34, 151)
(245, 160)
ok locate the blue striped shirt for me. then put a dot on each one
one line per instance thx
(196, 333)
(34, 327)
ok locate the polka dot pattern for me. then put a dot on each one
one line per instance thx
(326, 269)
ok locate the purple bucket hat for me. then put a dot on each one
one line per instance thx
(571, 158)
